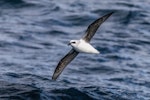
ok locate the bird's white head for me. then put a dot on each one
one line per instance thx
(74, 43)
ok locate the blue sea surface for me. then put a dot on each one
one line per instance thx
(34, 35)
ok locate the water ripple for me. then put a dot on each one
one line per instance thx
(33, 38)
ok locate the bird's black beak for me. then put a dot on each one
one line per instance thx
(69, 44)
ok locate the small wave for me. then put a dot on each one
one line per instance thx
(71, 93)
(14, 4)
(13, 91)
(12, 1)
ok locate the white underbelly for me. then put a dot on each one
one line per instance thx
(86, 48)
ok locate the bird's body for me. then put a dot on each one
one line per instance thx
(83, 46)
(80, 46)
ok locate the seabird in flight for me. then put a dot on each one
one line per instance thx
(80, 46)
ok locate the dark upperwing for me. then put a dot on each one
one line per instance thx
(64, 62)
(92, 28)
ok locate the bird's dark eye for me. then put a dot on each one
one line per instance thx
(73, 42)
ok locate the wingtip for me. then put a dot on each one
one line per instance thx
(109, 14)
(112, 12)
(105, 17)
(54, 77)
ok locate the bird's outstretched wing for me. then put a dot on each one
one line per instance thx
(92, 28)
(64, 62)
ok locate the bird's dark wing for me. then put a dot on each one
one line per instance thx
(92, 28)
(64, 62)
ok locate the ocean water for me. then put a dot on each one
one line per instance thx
(34, 35)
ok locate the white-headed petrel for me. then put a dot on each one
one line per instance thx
(81, 45)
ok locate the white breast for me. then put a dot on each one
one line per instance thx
(85, 47)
